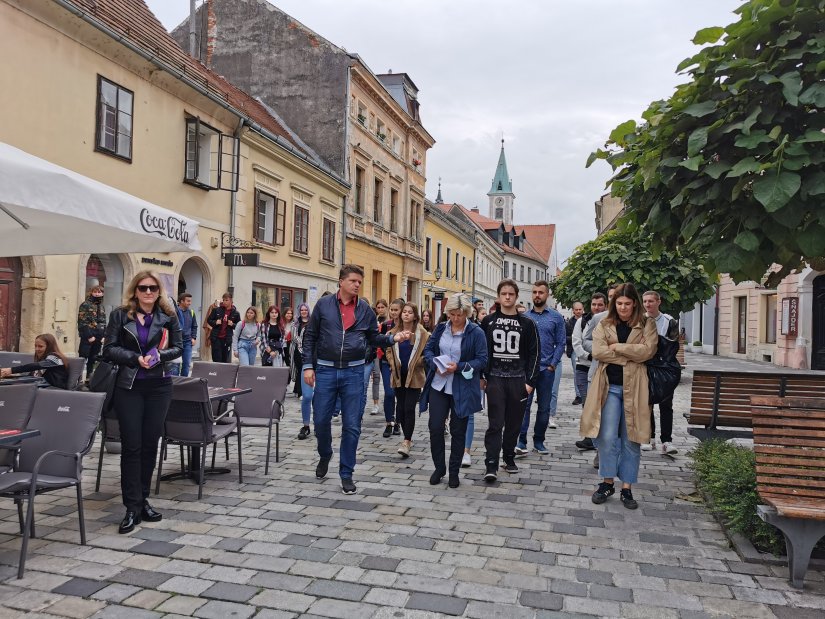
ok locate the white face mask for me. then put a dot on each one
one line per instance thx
(467, 372)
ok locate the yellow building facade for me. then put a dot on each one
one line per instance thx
(106, 93)
(449, 258)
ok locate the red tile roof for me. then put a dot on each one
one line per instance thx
(541, 237)
(487, 224)
(134, 21)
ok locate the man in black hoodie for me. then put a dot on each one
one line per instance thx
(512, 368)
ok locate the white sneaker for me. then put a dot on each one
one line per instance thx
(649, 446)
(374, 410)
(668, 448)
(465, 460)
(552, 424)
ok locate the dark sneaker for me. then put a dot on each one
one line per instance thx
(602, 493)
(585, 444)
(304, 433)
(348, 486)
(540, 449)
(387, 431)
(436, 477)
(578, 400)
(490, 476)
(396, 430)
(627, 499)
(322, 468)
(510, 467)
(453, 483)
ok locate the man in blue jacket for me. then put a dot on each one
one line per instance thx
(189, 327)
(335, 343)
(552, 339)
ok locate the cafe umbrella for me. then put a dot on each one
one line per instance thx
(46, 209)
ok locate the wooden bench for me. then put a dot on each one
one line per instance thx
(721, 399)
(789, 444)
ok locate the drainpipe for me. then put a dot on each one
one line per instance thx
(346, 167)
(716, 324)
(193, 37)
(233, 206)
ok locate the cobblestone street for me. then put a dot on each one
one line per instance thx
(288, 545)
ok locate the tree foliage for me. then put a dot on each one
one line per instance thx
(625, 256)
(732, 166)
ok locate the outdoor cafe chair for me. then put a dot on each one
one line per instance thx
(190, 423)
(76, 365)
(263, 407)
(16, 403)
(10, 359)
(67, 421)
(218, 375)
(109, 432)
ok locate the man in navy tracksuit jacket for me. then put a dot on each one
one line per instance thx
(340, 330)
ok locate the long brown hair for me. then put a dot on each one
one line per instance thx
(398, 326)
(130, 302)
(626, 290)
(267, 317)
(51, 348)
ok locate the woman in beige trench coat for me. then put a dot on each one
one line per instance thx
(616, 414)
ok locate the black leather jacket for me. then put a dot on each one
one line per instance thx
(325, 338)
(216, 317)
(122, 345)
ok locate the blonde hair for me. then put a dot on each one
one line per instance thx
(130, 302)
(459, 302)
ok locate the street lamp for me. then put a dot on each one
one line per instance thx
(437, 274)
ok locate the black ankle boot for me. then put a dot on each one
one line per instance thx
(129, 522)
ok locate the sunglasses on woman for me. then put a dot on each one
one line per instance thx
(150, 288)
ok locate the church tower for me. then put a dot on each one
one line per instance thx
(501, 192)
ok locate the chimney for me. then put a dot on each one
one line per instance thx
(211, 31)
(474, 209)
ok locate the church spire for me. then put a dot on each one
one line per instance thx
(501, 180)
(438, 198)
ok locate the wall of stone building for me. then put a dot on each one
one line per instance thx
(270, 55)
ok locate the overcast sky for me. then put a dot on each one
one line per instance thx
(554, 77)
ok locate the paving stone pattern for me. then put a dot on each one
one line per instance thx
(287, 545)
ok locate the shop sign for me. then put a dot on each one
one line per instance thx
(241, 260)
(790, 316)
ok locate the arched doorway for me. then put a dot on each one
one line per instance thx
(11, 277)
(818, 339)
(193, 279)
(106, 270)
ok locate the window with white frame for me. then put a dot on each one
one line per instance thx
(211, 157)
(328, 241)
(115, 107)
(270, 218)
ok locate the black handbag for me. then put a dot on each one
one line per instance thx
(103, 381)
(663, 370)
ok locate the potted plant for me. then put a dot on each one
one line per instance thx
(697, 346)
(381, 136)
(362, 119)
(416, 162)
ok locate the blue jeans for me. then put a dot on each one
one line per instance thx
(330, 383)
(575, 384)
(247, 351)
(471, 428)
(368, 370)
(389, 393)
(618, 455)
(183, 368)
(306, 401)
(556, 381)
(544, 389)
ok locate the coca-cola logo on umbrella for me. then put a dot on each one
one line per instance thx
(173, 228)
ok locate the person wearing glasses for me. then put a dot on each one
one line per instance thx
(143, 337)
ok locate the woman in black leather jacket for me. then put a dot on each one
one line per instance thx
(142, 337)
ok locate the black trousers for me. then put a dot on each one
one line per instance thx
(441, 405)
(91, 357)
(665, 419)
(406, 401)
(141, 412)
(222, 350)
(506, 399)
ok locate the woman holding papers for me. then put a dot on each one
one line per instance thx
(455, 355)
(407, 372)
(142, 337)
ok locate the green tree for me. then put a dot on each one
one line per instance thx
(732, 166)
(624, 256)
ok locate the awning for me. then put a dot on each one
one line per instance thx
(46, 209)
